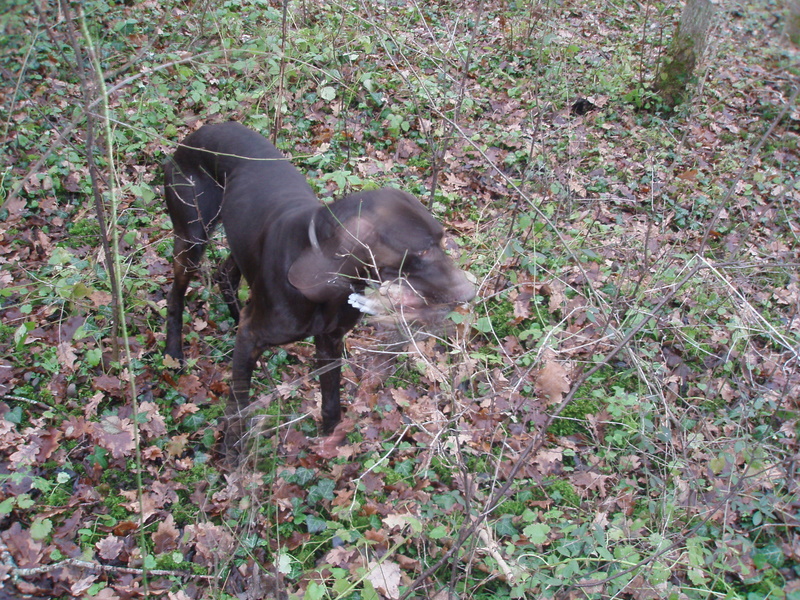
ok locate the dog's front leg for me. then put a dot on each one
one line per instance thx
(329, 355)
(246, 352)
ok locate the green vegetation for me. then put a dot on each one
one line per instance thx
(614, 417)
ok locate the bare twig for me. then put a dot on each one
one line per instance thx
(94, 175)
(92, 566)
(537, 441)
(746, 165)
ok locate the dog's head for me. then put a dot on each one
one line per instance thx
(384, 237)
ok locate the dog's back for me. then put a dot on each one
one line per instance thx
(230, 153)
(231, 172)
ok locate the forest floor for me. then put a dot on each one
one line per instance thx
(615, 415)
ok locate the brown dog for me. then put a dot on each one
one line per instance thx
(302, 259)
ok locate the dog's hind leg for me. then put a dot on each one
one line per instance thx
(193, 201)
(228, 276)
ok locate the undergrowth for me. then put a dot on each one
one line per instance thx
(614, 417)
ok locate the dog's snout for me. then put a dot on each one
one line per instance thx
(464, 288)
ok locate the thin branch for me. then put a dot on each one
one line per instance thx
(537, 441)
(94, 175)
(92, 566)
(747, 164)
(106, 113)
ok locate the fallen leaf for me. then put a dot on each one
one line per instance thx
(115, 435)
(212, 542)
(177, 445)
(552, 382)
(590, 480)
(124, 528)
(170, 363)
(110, 547)
(66, 356)
(183, 410)
(153, 423)
(26, 551)
(328, 446)
(100, 299)
(108, 383)
(165, 538)
(79, 587)
(385, 576)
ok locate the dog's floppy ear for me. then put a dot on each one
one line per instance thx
(324, 270)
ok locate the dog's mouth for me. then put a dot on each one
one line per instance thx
(398, 300)
(390, 297)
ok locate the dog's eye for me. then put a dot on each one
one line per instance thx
(428, 251)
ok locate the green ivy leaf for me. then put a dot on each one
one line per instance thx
(769, 555)
(323, 490)
(314, 591)
(41, 528)
(505, 526)
(315, 524)
(327, 93)
(536, 532)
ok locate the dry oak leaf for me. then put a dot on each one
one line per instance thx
(342, 557)
(521, 302)
(165, 538)
(106, 593)
(189, 385)
(90, 409)
(164, 493)
(385, 577)
(149, 503)
(590, 480)
(79, 587)
(399, 521)
(552, 382)
(24, 456)
(153, 453)
(555, 291)
(26, 551)
(100, 299)
(66, 356)
(110, 547)
(124, 528)
(109, 384)
(75, 427)
(212, 542)
(329, 446)
(153, 424)
(549, 461)
(115, 435)
(183, 410)
(177, 445)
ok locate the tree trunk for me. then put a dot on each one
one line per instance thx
(793, 22)
(687, 46)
